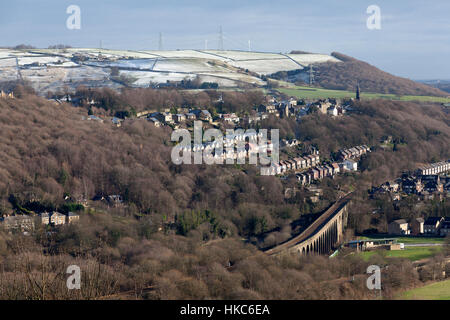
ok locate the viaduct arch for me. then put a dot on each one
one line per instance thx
(322, 236)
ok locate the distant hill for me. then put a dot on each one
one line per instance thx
(347, 74)
(443, 85)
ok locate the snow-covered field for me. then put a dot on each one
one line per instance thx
(145, 78)
(136, 64)
(57, 68)
(246, 55)
(188, 65)
(240, 77)
(307, 59)
(181, 54)
(267, 66)
(4, 63)
(37, 59)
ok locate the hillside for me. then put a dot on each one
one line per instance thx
(55, 71)
(178, 233)
(52, 70)
(346, 75)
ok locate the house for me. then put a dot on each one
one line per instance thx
(417, 225)
(310, 161)
(445, 227)
(398, 227)
(190, 116)
(335, 167)
(300, 163)
(293, 164)
(322, 106)
(332, 111)
(270, 99)
(180, 117)
(94, 118)
(202, 115)
(277, 168)
(432, 225)
(155, 122)
(114, 199)
(266, 108)
(354, 152)
(289, 143)
(286, 164)
(321, 171)
(72, 217)
(262, 108)
(411, 185)
(350, 165)
(330, 170)
(205, 115)
(303, 178)
(283, 110)
(316, 157)
(255, 118)
(44, 218)
(432, 183)
(315, 174)
(433, 187)
(393, 186)
(116, 121)
(57, 218)
(6, 95)
(230, 118)
(17, 222)
(408, 186)
(362, 150)
(303, 162)
(162, 116)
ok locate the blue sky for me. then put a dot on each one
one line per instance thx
(414, 40)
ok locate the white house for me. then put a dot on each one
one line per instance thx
(350, 165)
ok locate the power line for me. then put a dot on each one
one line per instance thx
(220, 39)
(240, 45)
(311, 74)
(160, 45)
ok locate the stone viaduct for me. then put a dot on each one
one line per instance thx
(323, 235)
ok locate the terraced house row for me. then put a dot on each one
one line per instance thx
(435, 168)
(319, 172)
(298, 163)
(354, 152)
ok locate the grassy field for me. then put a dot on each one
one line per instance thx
(316, 93)
(435, 291)
(411, 253)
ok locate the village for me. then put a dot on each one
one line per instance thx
(426, 183)
(307, 167)
(183, 117)
(429, 182)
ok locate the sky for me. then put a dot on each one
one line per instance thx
(413, 42)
